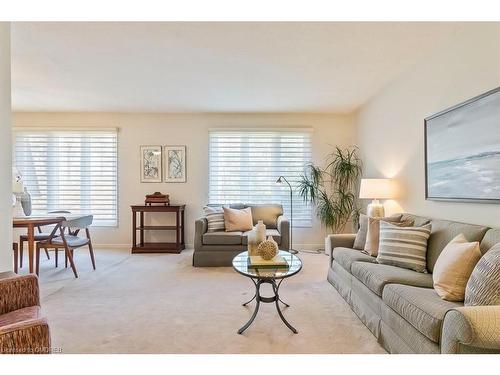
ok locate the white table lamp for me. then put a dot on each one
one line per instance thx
(375, 189)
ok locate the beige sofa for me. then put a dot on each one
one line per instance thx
(217, 249)
(400, 306)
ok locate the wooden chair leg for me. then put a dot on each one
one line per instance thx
(91, 250)
(16, 257)
(69, 254)
(47, 253)
(21, 245)
(37, 255)
(65, 259)
(56, 250)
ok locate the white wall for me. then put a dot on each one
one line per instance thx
(190, 130)
(390, 126)
(5, 151)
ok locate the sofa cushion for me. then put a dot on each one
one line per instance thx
(376, 276)
(421, 307)
(269, 232)
(346, 257)
(222, 238)
(418, 221)
(21, 315)
(268, 213)
(490, 239)
(443, 231)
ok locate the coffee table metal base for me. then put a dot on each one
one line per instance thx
(273, 299)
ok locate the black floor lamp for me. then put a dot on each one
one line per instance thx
(280, 181)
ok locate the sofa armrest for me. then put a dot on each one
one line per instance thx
(18, 292)
(471, 329)
(283, 226)
(200, 228)
(27, 337)
(338, 240)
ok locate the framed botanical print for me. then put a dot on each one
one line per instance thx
(175, 163)
(151, 163)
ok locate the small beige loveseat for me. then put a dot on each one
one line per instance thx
(400, 306)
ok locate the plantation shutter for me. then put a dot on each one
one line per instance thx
(74, 170)
(245, 164)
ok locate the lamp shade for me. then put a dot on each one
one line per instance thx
(377, 188)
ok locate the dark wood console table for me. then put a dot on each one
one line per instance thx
(157, 247)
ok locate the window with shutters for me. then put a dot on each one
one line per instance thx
(245, 164)
(74, 170)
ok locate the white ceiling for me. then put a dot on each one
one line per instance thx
(212, 67)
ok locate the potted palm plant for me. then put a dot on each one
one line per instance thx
(332, 190)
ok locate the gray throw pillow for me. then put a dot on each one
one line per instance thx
(404, 247)
(360, 240)
(483, 287)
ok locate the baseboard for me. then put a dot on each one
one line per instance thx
(309, 246)
(300, 246)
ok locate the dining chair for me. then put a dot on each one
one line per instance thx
(69, 242)
(16, 256)
(41, 236)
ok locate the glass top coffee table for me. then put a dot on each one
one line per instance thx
(273, 276)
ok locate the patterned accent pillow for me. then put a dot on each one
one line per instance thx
(483, 287)
(404, 247)
(215, 219)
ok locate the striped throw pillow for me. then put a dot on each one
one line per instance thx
(215, 219)
(404, 247)
(483, 287)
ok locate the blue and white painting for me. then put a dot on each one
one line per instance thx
(463, 151)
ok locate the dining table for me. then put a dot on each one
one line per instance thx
(37, 221)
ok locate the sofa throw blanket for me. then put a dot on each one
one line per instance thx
(404, 247)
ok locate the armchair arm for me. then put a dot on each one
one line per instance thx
(338, 240)
(471, 329)
(18, 292)
(27, 337)
(200, 228)
(283, 226)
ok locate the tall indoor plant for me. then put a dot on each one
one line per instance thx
(332, 190)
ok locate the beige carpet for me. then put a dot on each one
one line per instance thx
(157, 303)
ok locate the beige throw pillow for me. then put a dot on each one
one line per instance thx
(373, 232)
(238, 220)
(360, 240)
(454, 267)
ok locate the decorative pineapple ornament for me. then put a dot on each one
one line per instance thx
(268, 249)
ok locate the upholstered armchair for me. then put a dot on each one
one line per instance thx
(22, 328)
